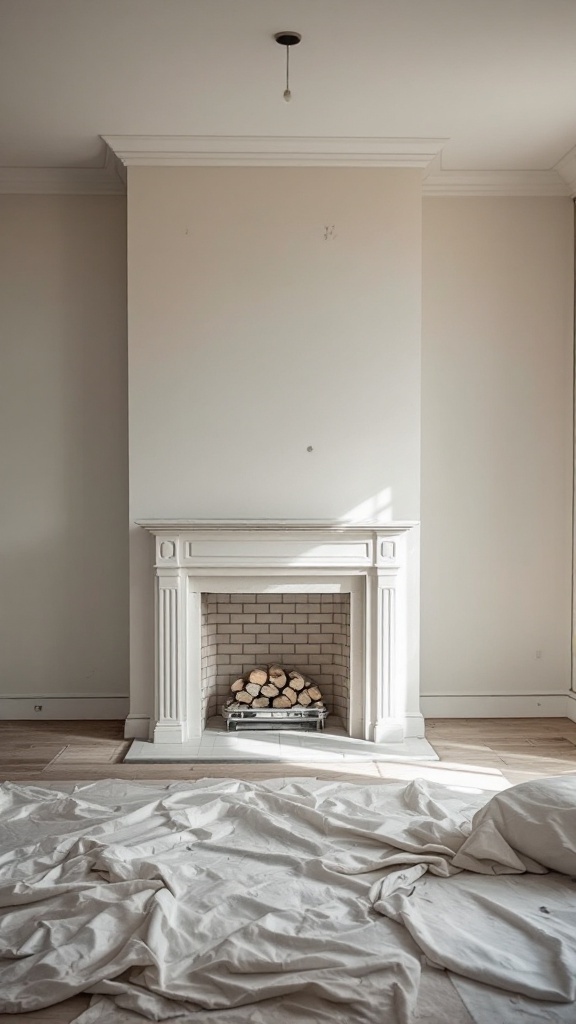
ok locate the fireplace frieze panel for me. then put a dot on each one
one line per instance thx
(309, 550)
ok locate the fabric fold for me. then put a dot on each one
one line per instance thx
(250, 901)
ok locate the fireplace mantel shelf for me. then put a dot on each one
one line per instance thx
(157, 526)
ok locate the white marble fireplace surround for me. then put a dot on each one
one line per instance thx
(371, 562)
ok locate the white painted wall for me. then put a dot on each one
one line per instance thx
(252, 337)
(63, 453)
(297, 328)
(270, 309)
(496, 454)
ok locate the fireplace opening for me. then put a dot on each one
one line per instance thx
(307, 633)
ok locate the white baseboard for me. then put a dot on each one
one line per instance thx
(137, 727)
(555, 705)
(549, 705)
(63, 708)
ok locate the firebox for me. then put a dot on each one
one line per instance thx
(300, 632)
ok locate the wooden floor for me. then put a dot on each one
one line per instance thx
(485, 753)
(512, 749)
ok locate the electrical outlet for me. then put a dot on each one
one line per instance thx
(38, 707)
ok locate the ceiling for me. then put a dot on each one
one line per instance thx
(495, 78)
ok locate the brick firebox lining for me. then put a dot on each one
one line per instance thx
(310, 632)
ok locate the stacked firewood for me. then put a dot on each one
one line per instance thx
(274, 687)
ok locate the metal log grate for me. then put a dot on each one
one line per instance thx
(275, 718)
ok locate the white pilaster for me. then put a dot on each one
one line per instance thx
(171, 714)
(389, 725)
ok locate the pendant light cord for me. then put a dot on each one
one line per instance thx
(287, 39)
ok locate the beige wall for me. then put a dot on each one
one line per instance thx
(253, 336)
(63, 438)
(496, 446)
(277, 357)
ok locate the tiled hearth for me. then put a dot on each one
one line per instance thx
(335, 600)
(290, 746)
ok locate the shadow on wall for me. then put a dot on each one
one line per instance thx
(64, 557)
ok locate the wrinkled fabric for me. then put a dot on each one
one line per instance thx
(251, 900)
(489, 1005)
(529, 827)
(271, 903)
(514, 933)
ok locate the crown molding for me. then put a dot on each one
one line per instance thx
(566, 168)
(496, 183)
(124, 151)
(114, 167)
(267, 151)
(109, 180)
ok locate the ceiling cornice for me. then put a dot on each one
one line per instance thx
(268, 151)
(124, 151)
(80, 181)
(495, 183)
(566, 168)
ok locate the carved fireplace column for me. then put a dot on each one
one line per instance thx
(171, 697)
(387, 626)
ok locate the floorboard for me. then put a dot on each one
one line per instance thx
(513, 749)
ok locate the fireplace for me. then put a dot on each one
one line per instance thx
(335, 600)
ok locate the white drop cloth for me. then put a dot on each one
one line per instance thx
(527, 826)
(246, 903)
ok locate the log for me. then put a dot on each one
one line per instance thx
(253, 689)
(277, 675)
(270, 690)
(260, 702)
(314, 692)
(296, 675)
(297, 681)
(318, 704)
(290, 693)
(281, 702)
(258, 675)
(238, 684)
(304, 698)
(244, 697)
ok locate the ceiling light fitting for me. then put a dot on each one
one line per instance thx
(287, 39)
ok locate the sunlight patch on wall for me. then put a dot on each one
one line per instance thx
(378, 508)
